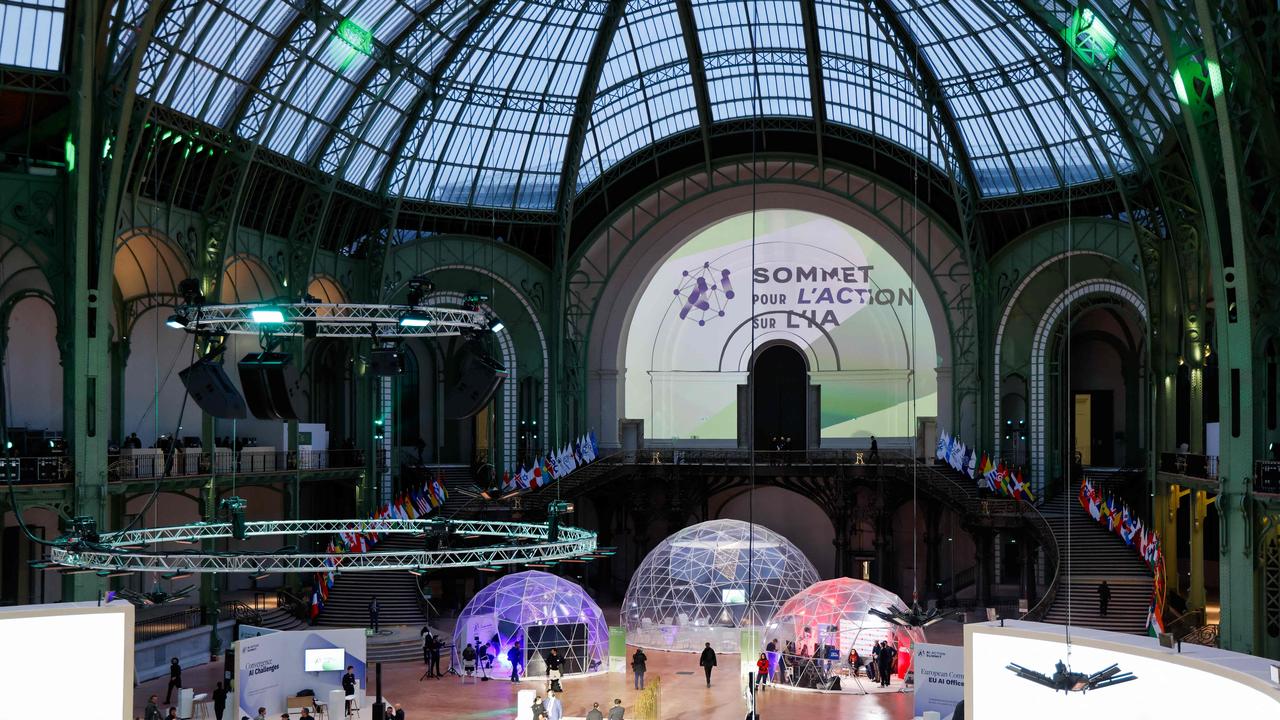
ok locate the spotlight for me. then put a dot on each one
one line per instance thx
(190, 291)
(414, 319)
(234, 507)
(496, 325)
(555, 509)
(420, 286)
(177, 321)
(267, 315)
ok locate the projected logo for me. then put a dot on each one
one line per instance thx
(706, 291)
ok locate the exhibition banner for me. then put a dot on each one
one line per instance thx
(939, 671)
(272, 668)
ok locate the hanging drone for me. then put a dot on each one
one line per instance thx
(155, 597)
(915, 617)
(1069, 682)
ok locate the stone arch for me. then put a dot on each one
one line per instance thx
(326, 289)
(36, 401)
(246, 279)
(1040, 349)
(610, 271)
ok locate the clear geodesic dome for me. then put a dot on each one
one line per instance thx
(534, 612)
(834, 613)
(710, 580)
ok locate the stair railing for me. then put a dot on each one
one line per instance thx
(294, 605)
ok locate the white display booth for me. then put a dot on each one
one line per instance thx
(272, 668)
(1198, 682)
(48, 650)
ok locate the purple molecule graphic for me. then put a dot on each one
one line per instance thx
(706, 291)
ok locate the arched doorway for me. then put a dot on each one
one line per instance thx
(780, 386)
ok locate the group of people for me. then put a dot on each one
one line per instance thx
(551, 708)
(881, 664)
(431, 647)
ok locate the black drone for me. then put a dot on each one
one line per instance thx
(155, 597)
(1069, 682)
(915, 617)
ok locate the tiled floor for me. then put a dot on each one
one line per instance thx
(684, 696)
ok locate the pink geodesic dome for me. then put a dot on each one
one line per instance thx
(834, 612)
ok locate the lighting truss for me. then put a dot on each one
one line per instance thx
(333, 320)
(519, 543)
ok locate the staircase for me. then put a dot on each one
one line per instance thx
(458, 483)
(397, 592)
(281, 619)
(1096, 554)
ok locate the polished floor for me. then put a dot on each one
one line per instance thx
(684, 695)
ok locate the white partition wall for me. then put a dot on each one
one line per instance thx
(272, 668)
(1199, 682)
(47, 651)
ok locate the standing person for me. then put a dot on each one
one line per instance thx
(872, 661)
(374, 608)
(638, 667)
(399, 713)
(427, 640)
(262, 714)
(553, 661)
(555, 710)
(874, 455)
(762, 670)
(594, 713)
(437, 644)
(886, 664)
(707, 661)
(1104, 598)
(616, 712)
(513, 657)
(152, 711)
(349, 686)
(175, 680)
(219, 700)
(539, 708)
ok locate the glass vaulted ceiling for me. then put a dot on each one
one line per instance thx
(473, 102)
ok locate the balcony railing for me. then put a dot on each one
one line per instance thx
(149, 464)
(1191, 465)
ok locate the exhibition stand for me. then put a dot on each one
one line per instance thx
(50, 649)
(1193, 682)
(274, 668)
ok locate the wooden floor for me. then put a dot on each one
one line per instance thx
(684, 696)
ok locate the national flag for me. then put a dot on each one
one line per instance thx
(595, 447)
(315, 604)
(973, 464)
(548, 470)
(988, 473)
(941, 450)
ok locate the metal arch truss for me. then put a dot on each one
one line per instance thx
(521, 543)
(334, 320)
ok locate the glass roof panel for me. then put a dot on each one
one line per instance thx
(362, 87)
(777, 72)
(645, 91)
(31, 33)
(990, 68)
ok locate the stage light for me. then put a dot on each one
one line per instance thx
(267, 315)
(496, 325)
(189, 289)
(40, 564)
(177, 321)
(1067, 681)
(414, 319)
(420, 286)
(234, 507)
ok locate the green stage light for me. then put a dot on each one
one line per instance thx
(355, 36)
(267, 316)
(1194, 82)
(1091, 38)
(69, 148)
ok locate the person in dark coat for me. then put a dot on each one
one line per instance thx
(374, 609)
(152, 712)
(219, 700)
(1104, 598)
(638, 667)
(886, 664)
(175, 679)
(594, 713)
(707, 661)
(513, 657)
(349, 686)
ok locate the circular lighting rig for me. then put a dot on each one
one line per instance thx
(514, 543)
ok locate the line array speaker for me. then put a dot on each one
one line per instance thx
(207, 383)
(476, 377)
(270, 382)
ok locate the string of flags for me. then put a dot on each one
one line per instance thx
(989, 474)
(1116, 517)
(410, 505)
(553, 466)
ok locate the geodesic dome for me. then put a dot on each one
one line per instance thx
(706, 582)
(834, 612)
(535, 611)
